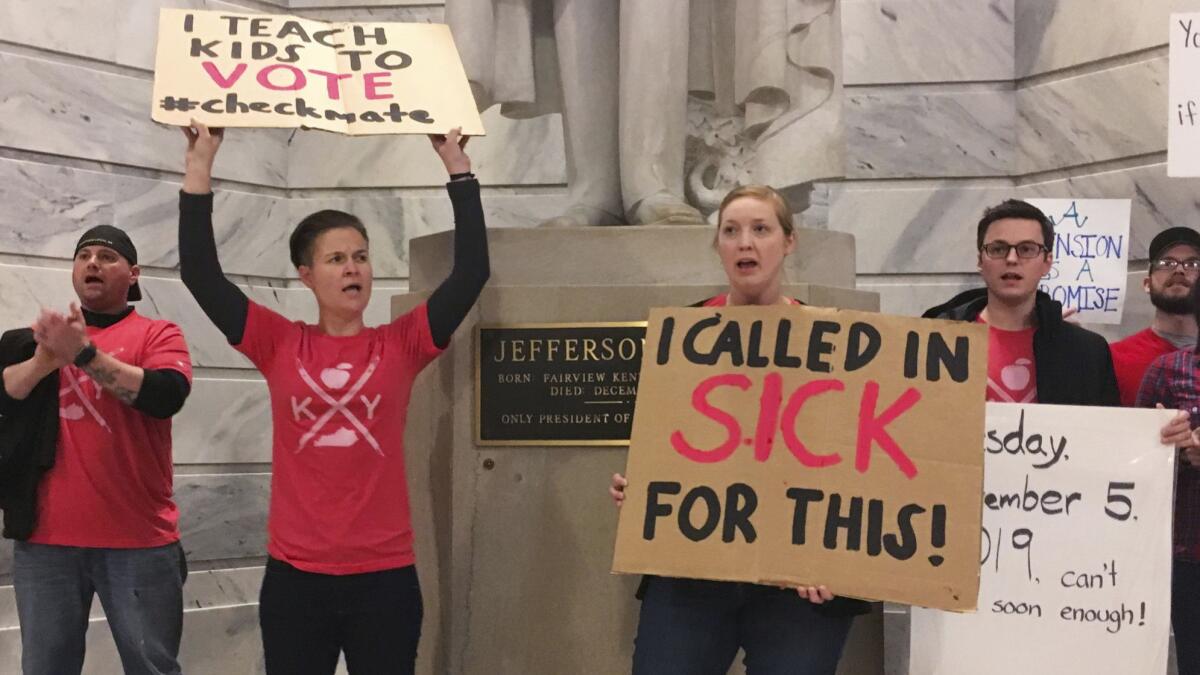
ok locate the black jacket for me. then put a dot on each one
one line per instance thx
(1074, 365)
(28, 438)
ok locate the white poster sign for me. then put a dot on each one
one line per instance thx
(1076, 549)
(1091, 256)
(271, 70)
(1183, 110)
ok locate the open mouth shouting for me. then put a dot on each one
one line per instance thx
(747, 265)
(353, 290)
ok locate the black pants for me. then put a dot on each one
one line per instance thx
(307, 619)
(1185, 615)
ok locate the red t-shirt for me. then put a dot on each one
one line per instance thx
(111, 484)
(339, 497)
(1012, 372)
(723, 300)
(1132, 356)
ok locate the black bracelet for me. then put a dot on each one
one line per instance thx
(85, 355)
(461, 176)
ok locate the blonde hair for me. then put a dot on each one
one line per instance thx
(765, 193)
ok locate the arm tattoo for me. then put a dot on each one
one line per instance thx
(107, 378)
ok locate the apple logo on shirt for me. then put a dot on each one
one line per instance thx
(72, 412)
(1016, 376)
(336, 377)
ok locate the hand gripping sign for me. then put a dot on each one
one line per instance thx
(258, 70)
(786, 445)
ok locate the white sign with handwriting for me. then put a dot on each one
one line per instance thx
(1091, 256)
(1183, 111)
(1075, 560)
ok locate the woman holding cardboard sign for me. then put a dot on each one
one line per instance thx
(340, 575)
(691, 626)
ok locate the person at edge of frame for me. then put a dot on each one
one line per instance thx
(1170, 381)
(89, 395)
(1173, 270)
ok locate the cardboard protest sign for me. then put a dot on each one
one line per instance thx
(1076, 550)
(1091, 256)
(788, 445)
(1183, 110)
(260, 70)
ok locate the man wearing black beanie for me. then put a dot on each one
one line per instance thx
(105, 522)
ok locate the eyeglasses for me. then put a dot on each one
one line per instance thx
(1025, 249)
(1189, 265)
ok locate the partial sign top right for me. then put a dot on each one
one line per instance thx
(1183, 111)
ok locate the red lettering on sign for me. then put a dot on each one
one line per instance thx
(872, 429)
(701, 404)
(331, 82)
(768, 412)
(788, 424)
(222, 81)
(373, 82)
(298, 78)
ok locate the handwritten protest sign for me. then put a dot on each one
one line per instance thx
(800, 445)
(1091, 256)
(1183, 111)
(1076, 549)
(259, 70)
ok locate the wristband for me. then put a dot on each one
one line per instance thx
(461, 176)
(85, 355)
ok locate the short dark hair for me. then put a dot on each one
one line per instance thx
(313, 226)
(1015, 208)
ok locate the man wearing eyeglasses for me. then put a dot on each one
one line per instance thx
(1174, 267)
(1034, 356)
(1159, 367)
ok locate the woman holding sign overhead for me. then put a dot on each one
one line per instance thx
(340, 574)
(690, 626)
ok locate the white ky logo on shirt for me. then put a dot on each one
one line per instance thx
(76, 411)
(336, 378)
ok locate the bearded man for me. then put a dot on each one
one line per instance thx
(1174, 267)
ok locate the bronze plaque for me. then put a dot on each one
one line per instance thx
(557, 383)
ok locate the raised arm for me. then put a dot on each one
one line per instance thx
(224, 303)
(453, 298)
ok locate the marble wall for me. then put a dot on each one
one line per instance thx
(948, 107)
(78, 148)
(952, 107)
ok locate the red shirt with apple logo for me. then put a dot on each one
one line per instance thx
(1012, 373)
(339, 495)
(112, 481)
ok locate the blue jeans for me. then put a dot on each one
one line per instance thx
(694, 627)
(141, 590)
